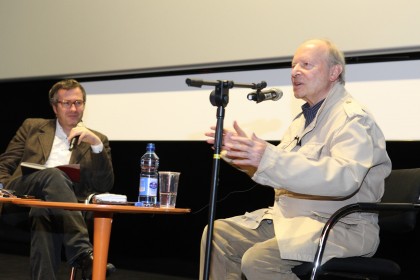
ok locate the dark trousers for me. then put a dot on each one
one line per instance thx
(51, 229)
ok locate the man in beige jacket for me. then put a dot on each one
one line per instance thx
(333, 154)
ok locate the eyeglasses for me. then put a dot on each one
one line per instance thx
(67, 104)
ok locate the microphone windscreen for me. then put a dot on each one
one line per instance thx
(279, 94)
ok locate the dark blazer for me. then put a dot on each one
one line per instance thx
(33, 143)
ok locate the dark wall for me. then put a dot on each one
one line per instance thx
(142, 241)
(182, 233)
(194, 161)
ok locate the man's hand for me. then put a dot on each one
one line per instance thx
(85, 135)
(240, 150)
(245, 151)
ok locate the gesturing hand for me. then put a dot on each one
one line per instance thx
(84, 134)
(240, 150)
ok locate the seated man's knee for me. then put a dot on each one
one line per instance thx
(217, 226)
(54, 180)
(53, 174)
(248, 262)
(256, 259)
(204, 235)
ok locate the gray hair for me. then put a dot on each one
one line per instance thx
(336, 57)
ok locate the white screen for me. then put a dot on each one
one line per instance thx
(165, 108)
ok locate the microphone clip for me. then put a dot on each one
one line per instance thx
(298, 141)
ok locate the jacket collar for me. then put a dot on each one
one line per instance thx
(336, 93)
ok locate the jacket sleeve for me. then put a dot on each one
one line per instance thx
(336, 166)
(97, 174)
(11, 158)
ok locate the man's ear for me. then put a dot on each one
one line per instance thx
(54, 106)
(335, 72)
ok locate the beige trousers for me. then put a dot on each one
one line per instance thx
(242, 253)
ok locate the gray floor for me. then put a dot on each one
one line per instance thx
(16, 267)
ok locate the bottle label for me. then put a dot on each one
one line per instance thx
(148, 186)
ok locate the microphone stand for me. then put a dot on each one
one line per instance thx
(219, 98)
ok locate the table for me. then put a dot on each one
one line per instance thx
(103, 214)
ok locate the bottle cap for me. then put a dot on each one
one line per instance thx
(150, 146)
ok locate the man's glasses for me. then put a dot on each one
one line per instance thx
(67, 104)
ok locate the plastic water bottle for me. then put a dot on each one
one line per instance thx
(148, 189)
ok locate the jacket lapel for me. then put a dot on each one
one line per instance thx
(46, 136)
(79, 152)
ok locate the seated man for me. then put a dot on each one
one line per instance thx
(333, 154)
(47, 142)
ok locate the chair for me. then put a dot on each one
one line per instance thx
(397, 214)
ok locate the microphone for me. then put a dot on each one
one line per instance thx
(267, 94)
(75, 139)
(73, 142)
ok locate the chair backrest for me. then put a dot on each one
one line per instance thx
(401, 186)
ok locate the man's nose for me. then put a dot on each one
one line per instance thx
(295, 71)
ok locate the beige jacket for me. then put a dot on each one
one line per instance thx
(341, 160)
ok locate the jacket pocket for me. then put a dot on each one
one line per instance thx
(347, 222)
(312, 150)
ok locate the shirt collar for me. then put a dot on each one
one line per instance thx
(310, 112)
(59, 132)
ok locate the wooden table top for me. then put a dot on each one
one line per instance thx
(120, 208)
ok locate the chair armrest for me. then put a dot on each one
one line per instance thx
(346, 210)
(373, 207)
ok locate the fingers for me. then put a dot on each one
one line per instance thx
(85, 135)
(89, 137)
(239, 149)
(255, 138)
(209, 134)
(238, 129)
(231, 138)
(246, 151)
(212, 134)
(240, 141)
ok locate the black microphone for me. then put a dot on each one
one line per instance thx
(75, 139)
(73, 143)
(267, 94)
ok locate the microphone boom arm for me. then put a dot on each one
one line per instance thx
(229, 84)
